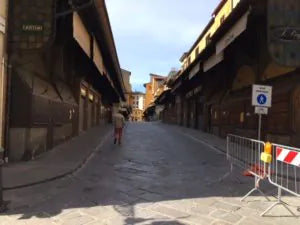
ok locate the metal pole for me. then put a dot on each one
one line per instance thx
(259, 127)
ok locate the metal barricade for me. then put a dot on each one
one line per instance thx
(245, 153)
(284, 173)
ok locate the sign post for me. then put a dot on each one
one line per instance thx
(262, 100)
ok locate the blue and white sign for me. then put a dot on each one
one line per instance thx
(262, 99)
(262, 96)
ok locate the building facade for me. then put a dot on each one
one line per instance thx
(65, 77)
(153, 89)
(213, 89)
(138, 106)
(128, 87)
(127, 104)
(156, 81)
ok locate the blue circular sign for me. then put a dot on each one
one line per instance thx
(262, 99)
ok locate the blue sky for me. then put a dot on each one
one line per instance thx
(151, 35)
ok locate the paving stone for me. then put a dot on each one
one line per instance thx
(151, 197)
(259, 205)
(74, 218)
(143, 204)
(281, 211)
(225, 206)
(4, 219)
(98, 222)
(15, 222)
(189, 206)
(99, 212)
(219, 222)
(148, 214)
(116, 221)
(39, 221)
(173, 213)
(235, 201)
(228, 217)
(184, 198)
(251, 221)
(285, 220)
(198, 220)
(136, 192)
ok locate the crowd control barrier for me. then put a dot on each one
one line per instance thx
(245, 153)
(279, 164)
(286, 173)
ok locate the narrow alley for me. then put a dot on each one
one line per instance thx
(161, 174)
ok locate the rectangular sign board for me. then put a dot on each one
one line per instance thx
(33, 25)
(261, 110)
(262, 96)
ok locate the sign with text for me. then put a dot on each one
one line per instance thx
(32, 26)
(261, 110)
(262, 96)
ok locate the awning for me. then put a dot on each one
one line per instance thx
(213, 61)
(233, 33)
(176, 86)
(194, 71)
(2, 25)
(81, 35)
(98, 59)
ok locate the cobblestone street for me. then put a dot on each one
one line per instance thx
(160, 175)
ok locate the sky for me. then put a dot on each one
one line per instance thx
(152, 35)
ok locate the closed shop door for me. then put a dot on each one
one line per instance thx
(81, 114)
(90, 114)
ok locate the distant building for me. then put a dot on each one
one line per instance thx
(127, 105)
(152, 87)
(138, 106)
(127, 84)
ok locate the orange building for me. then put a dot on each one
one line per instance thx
(152, 88)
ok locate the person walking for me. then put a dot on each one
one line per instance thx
(119, 123)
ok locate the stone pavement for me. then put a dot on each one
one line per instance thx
(160, 175)
(62, 160)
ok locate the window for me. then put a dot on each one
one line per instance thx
(208, 39)
(222, 19)
(189, 61)
(197, 51)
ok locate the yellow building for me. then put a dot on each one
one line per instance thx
(137, 115)
(220, 14)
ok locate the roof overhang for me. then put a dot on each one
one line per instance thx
(96, 19)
